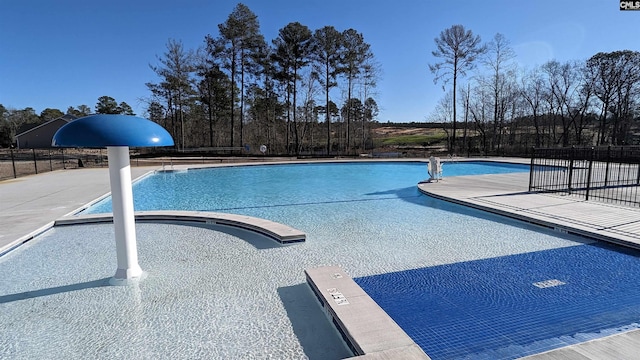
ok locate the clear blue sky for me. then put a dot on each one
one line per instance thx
(70, 52)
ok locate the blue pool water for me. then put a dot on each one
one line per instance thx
(492, 309)
(222, 294)
(247, 189)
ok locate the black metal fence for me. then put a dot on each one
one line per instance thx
(15, 163)
(610, 174)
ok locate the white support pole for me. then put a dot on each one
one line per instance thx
(123, 217)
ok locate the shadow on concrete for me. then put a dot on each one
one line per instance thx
(318, 337)
(54, 290)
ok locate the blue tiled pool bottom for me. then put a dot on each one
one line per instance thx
(513, 306)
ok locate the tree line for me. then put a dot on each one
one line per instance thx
(313, 92)
(556, 104)
(304, 92)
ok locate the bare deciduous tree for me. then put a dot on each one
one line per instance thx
(458, 48)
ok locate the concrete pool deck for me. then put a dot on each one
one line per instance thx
(32, 204)
(507, 194)
(29, 205)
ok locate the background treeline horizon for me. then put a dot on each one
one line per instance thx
(313, 92)
(505, 109)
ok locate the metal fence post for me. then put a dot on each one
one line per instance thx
(606, 169)
(35, 163)
(586, 197)
(50, 163)
(13, 163)
(620, 167)
(63, 165)
(572, 156)
(533, 156)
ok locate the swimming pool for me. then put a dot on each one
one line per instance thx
(256, 190)
(225, 294)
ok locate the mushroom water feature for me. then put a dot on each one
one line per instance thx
(117, 133)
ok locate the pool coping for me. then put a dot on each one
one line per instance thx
(281, 233)
(369, 332)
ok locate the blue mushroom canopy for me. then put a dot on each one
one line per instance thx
(102, 130)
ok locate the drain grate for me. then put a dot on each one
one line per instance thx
(548, 283)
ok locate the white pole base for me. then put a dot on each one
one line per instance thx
(123, 281)
(123, 216)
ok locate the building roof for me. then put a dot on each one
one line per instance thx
(67, 118)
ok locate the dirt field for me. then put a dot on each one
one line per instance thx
(390, 131)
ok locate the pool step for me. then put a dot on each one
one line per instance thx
(367, 329)
(281, 233)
